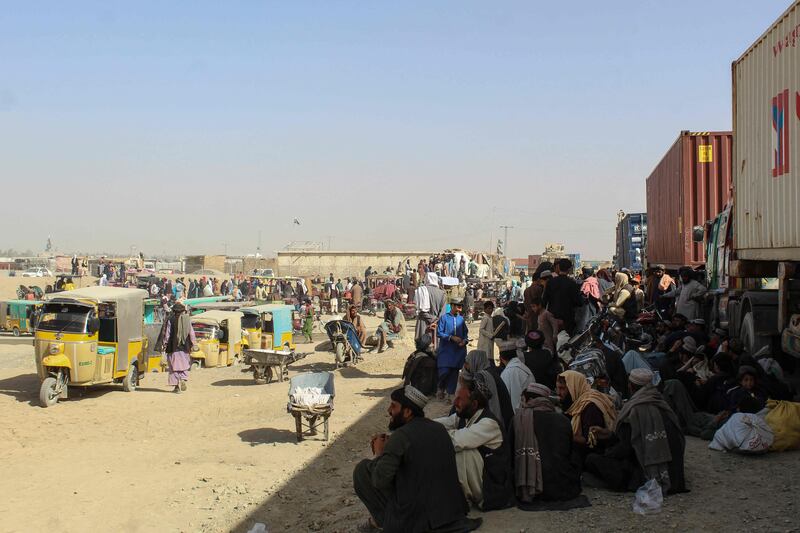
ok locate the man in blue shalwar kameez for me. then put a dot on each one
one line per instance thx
(453, 338)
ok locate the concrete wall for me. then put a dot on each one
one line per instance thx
(194, 263)
(342, 264)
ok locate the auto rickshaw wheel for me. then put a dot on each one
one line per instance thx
(194, 366)
(48, 396)
(131, 379)
(16, 332)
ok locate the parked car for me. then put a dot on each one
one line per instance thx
(37, 272)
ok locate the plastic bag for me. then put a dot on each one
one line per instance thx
(743, 432)
(784, 419)
(649, 498)
(258, 527)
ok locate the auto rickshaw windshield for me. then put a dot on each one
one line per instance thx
(251, 321)
(65, 318)
(204, 331)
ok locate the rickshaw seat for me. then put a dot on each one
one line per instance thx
(105, 350)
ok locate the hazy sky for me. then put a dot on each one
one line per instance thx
(180, 126)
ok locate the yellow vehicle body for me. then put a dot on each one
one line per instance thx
(221, 340)
(275, 329)
(90, 336)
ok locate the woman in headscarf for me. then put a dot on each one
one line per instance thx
(178, 339)
(477, 362)
(585, 406)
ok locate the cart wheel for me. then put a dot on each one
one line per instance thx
(327, 429)
(256, 375)
(281, 372)
(298, 424)
(268, 374)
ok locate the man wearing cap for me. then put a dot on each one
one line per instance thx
(453, 337)
(646, 443)
(542, 443)
(411, 484)
(482, 454)
(430, 300)
(516, 376)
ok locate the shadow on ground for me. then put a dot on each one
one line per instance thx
(267, 436)
(324, 485)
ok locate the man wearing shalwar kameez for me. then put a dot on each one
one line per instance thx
(483, 458)
(178, 341)
(453, 337)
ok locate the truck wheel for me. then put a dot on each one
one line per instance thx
(47, 392)
(752, 342)
(131, 379)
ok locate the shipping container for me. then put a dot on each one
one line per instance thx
(766, 125)
(631, 236)
(690, 186)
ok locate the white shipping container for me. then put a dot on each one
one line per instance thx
(766, 141)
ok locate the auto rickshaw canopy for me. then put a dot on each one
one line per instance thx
(233, 319)
(129, 317)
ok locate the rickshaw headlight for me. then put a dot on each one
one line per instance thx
(55, 348)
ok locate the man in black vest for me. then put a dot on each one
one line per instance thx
(412, 484)
(482, 453)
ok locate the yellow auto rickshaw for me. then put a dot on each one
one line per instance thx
(90, 336)
(219, 338)
(274, 326)
(18, 316)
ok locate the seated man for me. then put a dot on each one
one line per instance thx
(541, 362)
(586, 408)
(482, 453)
(515, 375)
(420, 369)
(412, 484)
(646, 443)
(354, 318)
(392, 327)
(542, 443)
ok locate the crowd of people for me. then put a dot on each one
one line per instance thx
(523, 428)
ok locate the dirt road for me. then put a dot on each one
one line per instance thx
(224, 455)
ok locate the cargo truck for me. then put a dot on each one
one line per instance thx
(753, 246)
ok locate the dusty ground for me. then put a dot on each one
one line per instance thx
(224, 455)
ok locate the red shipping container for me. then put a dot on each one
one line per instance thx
(690, 186)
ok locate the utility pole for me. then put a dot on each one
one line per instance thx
(258, 250)
(225, 244)
(505, 239)
(330, 239)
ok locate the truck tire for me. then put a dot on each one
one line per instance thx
(752, 342)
